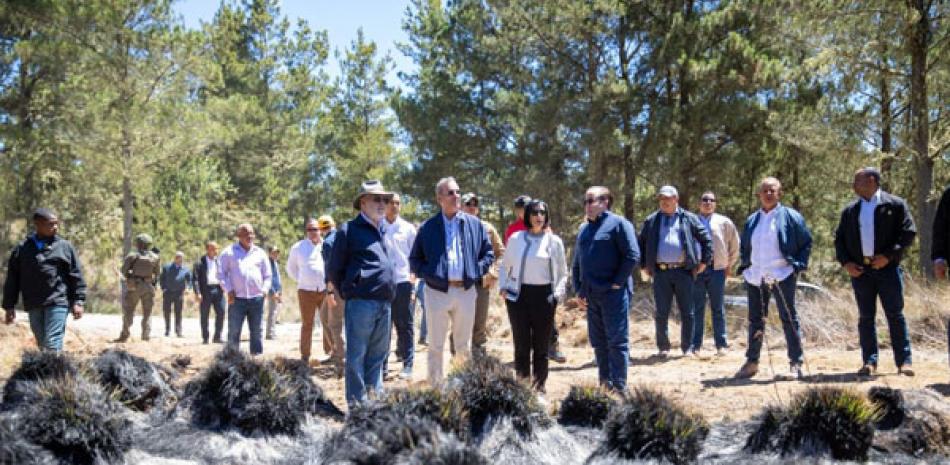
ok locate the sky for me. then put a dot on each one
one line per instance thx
(381, 21)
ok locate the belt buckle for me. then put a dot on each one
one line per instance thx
(663, 266)
(867, 260)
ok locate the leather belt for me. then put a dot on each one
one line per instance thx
(868, 260)
(456, 283)
(670, 266)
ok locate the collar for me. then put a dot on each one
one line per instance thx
(41, 243)
(772, 211)
(457, 217)
(369, 221)
(876, 198)
(599, 218)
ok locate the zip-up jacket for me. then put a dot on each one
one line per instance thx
(48, 276)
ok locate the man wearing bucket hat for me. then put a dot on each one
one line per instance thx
(360, 268)
(676, 248)
(141, 269)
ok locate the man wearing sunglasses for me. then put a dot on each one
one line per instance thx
(712, 281)
(605, 254)
(360, 268)
(305, 265)
(479, 330)
(451, 253)
(676, 248)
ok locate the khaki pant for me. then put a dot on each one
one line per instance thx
(332, 320)
(480, 325)
(310, 301)
(458, 306)
(139, 291)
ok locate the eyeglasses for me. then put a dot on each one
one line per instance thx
(539, 213)
(381, 199)
(313, 229)
(472, 204)
(708, 200)
(590, 200)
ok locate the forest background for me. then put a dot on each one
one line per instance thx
(124, 120)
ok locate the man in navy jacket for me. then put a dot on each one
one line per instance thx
(776, 245)
(451, 253)
(874, 231)
(605, 254)
(360, 269)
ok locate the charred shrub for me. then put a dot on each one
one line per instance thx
(14, 449)
(586, 406)
(75, 420)
(489, 391)
(443, 408)
(138, 383)
(254, 396)
(36, 366)
(648, 425)
(890, 404)
(820, 421)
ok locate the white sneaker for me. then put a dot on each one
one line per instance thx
(406, 373)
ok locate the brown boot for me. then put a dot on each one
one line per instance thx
(748, 370)
(869, 369)
(906, 370)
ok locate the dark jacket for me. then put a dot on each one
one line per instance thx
(429, 261)
(327, 250)
(200, 277)
(605, 254)
(46, 277)
(175, 279)
(359, 265)
(794, 238)
(941, 232)
(275, 286)
(894, 231)
(693, 237)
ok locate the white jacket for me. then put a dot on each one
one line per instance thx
(550, 247)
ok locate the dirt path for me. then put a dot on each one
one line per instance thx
(703, 384)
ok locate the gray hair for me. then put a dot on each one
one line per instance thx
(442, 183)
(179, 253)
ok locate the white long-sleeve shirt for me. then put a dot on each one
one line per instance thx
(305, 265)
(399, 236)
(767, 259)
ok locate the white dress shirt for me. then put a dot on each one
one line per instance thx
(866, 223)
(212, 272)
(767, 260)
(305, 265)
(399, 236)
(453, 247)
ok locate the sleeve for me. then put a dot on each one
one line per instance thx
(576, 266)
(701, 234)
(907, 234)
(276, 284)
(504, 267)
(194, 277)
(941, 229)
(156, 270)
(625, 237)
(189, 278)
(75, 285)
(335, 267)
(267, 275)
(127, 265)
(486, 256)
(224, 261)
(733, 243)
(804, 244)
(292, 267)
(11, 287)
(162, 278)
(417, 256)
(642, 238)
(560, 268)
(841, 248)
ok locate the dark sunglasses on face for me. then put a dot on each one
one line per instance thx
(472, 204)
(539, 213)
(312, 229)
(591, 200)
(381, 199)
(708, 200)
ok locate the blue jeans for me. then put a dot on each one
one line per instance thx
(402, 320)
(253, 310)
(421, 300)
(713, 283)
(367, 346)
(758, 311)
(888, 284)
(607, 330)
(666, 284)
(49, 326)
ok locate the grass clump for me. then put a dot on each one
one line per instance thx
(255, 397)
(586, 406)
(14, 449)
(648, 425)
(489, 391)
(444, 408)
(819, 421)
(138, 383)
(36, 366)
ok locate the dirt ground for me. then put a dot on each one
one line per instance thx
(703, 384)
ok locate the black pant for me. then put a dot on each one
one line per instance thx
(213, 296)
(531, 318)
(402, 321)
(170, 300)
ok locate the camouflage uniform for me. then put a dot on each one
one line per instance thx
(141, 270)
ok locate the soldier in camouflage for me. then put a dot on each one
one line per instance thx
(141, 269)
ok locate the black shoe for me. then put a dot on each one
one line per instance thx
(217, 341)
(204, 341)
(556, 356)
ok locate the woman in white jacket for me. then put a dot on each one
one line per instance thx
(532, 280)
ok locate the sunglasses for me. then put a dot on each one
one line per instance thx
(539, 213)
(472, 204)
(591, 200)
(381, 199)
(708, 200)
(313, 229)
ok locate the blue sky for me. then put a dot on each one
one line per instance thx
(381, 21)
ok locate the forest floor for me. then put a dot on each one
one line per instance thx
(703, 384)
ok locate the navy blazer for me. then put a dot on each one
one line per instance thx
(692, 232)
(894, 231)
(794, 238)
(359, 266)
(428, 258)
(200, 277)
